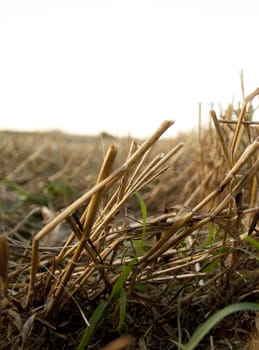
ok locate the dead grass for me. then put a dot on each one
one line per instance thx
(69, 207)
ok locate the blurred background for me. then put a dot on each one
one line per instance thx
(123, 66)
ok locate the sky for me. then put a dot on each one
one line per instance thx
(123, 66)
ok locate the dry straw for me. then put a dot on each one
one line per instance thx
(198, 243)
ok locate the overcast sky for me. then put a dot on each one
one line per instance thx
(122, 66)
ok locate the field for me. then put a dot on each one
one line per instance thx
(112, 243)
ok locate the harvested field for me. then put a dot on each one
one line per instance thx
(127, 244)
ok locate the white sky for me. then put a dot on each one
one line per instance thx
(122, 66)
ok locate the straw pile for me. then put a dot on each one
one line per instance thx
(163, 235)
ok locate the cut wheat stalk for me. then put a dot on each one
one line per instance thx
(234, 122)
(221, 138)
(113, 211)
(107, 182)
(241, 117)
(88, 218)
(167, 241)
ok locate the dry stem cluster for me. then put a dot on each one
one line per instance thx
(202, 202)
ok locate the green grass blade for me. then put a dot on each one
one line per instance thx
(254, 243)
(126, 269)
(204, 329)
(179, 345)
(26, 195)
(18, 189)
(95, 318)
(56, 189)
(117, 288)
(210, 267)
(123, 305)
